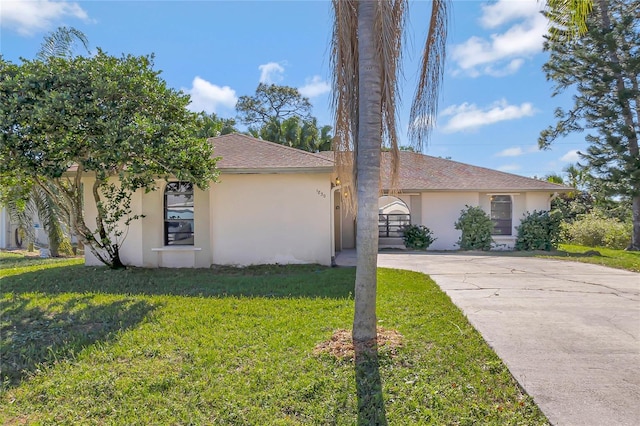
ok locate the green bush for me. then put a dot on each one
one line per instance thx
(593, 230)
(417, 237)
(476, 227)
(539, 230)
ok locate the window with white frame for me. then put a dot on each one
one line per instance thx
(178, 214)
(501, 208)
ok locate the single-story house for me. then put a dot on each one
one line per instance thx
(11, 237)
(276, 204)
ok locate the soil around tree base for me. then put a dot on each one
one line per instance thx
(340, 345)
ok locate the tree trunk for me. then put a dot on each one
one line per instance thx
(368, 175)
(368, 383)
(635, 233)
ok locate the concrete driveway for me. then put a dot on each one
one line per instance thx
(569, 332)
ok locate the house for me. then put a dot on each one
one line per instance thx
(11, 236)
(275, 204)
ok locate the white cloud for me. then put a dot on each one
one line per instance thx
(271, 73)
(571, 157)
(517, 151)
(314, 87)
(467, 116)
(209, 97)
(30, 16)
(509, 167)
(510, 152)
(503, 53)
(504, 11)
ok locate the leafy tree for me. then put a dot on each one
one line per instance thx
(111, 121)
(602, 66)
(282, 115)
(272, 103)
(23, 198)
(210, 125)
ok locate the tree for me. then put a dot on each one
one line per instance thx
(210, 125)
(23, 198)
(106, 122)
(297, 133)
(366, 47)
(602, 66)
(272, 103)
(282, 115)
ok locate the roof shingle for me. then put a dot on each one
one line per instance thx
(419, 172)
(245, 153)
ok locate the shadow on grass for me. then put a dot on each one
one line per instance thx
(37, 334)
(298, 281)
(371, 409)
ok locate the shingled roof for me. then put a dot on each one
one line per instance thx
(246, 154)
(419, 172)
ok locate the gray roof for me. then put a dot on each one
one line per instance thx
(242, 153)
(418, 172)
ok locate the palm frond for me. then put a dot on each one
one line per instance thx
(391, 19)
(344, 58)
(568, 17)
(425, 103)
(61, 43)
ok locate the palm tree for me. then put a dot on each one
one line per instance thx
(366, 51)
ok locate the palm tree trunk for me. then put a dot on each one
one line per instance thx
(368, 383)
(368, 175)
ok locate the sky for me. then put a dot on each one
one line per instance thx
(494, 100)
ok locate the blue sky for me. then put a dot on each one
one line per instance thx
(494, 101)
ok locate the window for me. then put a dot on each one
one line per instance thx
(501, 214)
(178, 214)
(393, 215)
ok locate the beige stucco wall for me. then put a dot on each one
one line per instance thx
(440, 210)
(144, 243)
(538, 201)
(271, 218)
(131, 248)
(242, 220)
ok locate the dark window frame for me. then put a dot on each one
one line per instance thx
(178, 237)
(499, 206)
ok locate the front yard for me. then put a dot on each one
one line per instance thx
(85, 345)
(621, 259)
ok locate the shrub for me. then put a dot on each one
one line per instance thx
(476, 227)
(594, 230)
(539, 230)
(417, 237)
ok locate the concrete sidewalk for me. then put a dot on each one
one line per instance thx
(569, 332)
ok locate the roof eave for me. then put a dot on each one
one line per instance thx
(274, 170)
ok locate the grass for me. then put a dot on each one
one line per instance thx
(620, 259)
(83, 345)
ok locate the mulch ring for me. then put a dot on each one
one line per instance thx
(340, 345)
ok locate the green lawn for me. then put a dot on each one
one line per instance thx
(621, 259)
(84, 345)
